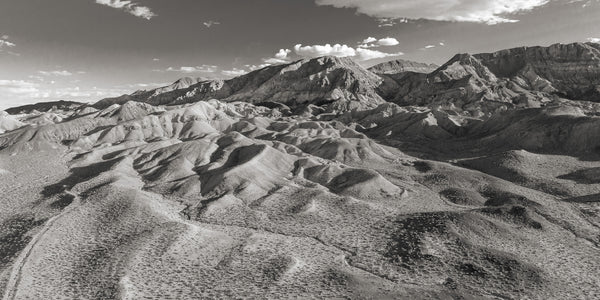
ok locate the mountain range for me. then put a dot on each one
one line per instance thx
(319, 178)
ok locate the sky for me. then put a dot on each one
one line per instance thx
(86, 50)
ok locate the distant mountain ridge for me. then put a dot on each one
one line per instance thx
(337, 81)
(43, 107)
(489, 82)
(477, 84)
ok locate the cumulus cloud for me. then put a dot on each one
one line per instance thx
(388, 42)
(283, 53)
(360, 54)
(482, 11)
(130, 7)
(196, 69)
(372, 42)
(594, 40)
(56, 73)
(369, 40)
(322, 50)
(233, 73)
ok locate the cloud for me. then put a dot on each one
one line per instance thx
(594, 40)
(360, 54)
(367, 54)
(130, 7)
(156, 59)
(388, 42)
(283, 53)
(281, 57)
(19, 92)
(257, 67)
(369, 40)
(481, 11)
(323, 50)
(19, 87)
(196, 69)
(235, 72)
(209, 24)
(389, 22)
(56, 73)
(372, 42)
(429, 46)
(5, 44)
(274, 61)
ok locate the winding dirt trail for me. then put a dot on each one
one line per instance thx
(15, 275)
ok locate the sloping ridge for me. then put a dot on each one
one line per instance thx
(320, 80)
(491, 82)
(44, 107)
(572, 69)
(401, 66)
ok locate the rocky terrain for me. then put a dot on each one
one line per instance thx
(478, 179)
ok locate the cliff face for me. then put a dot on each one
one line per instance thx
(486, 83)
(572, 70)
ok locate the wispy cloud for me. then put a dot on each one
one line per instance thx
(257, 67)
(196, 69)
(234, 72)
(6, 44)
(8, 87)
(481, 11)
(56, 73)
(210, 24)
(130, 7)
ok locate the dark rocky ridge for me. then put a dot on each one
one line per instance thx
(43, 107)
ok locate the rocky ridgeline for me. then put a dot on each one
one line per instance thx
(476, 85)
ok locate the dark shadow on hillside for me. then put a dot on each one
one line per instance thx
(79, 174)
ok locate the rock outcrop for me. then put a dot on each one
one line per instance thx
(483, 84)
